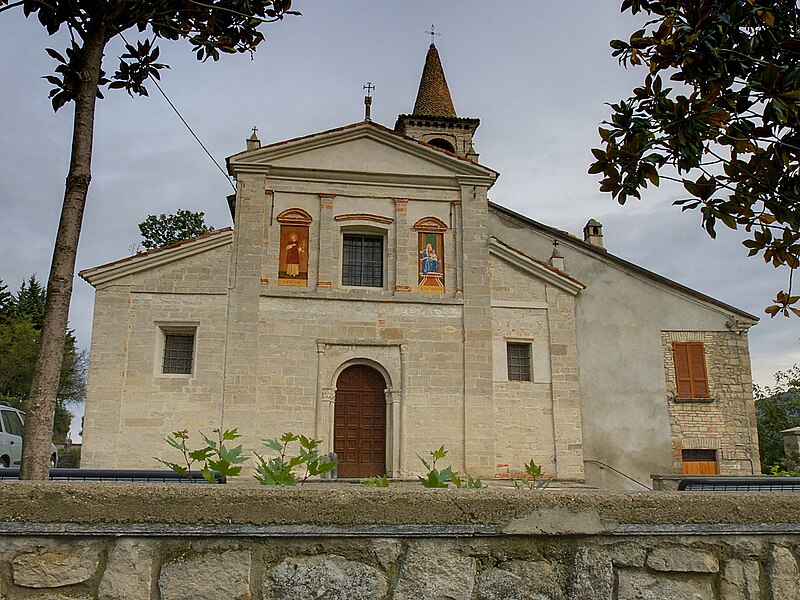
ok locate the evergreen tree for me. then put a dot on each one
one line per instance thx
(30, 301)
(20, 337)
(6, 300)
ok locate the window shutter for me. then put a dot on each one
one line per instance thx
(683, 378)
(697, 368)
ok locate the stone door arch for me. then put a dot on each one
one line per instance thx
(359, 422)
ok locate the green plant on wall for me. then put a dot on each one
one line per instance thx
(215, 455)
(435, 478)
(378, 482)
(280, 470)
(468, 483)
(534, 478)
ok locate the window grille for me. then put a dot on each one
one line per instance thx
(519, 361)
(178, 352)
(362, 261)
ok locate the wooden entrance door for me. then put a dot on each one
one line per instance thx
(359, 422)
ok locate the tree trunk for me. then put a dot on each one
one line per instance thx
(44, 388)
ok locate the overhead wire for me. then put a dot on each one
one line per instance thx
(221, 170)
(194, 135)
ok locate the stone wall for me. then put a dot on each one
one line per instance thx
(173, 542)
(725, 421)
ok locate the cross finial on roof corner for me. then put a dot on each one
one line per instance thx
(253, 143)
(433, 33)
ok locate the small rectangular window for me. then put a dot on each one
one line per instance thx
(362, 261)
(691, 377)
(519, 361)
(178, 352)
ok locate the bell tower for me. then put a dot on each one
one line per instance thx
(434, 120)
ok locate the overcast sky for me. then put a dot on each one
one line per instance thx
(537, 73)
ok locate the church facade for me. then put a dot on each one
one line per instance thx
(370, 294)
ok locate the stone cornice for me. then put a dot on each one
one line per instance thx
(257, 160)
(364, 217)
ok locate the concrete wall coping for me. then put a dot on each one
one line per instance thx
(115, 508)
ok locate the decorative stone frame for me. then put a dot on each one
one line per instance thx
(390, 360)
(162, 328)
(430, 225)
(367, 227)
(294, 216)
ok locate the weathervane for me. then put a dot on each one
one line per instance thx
(433, 33)
(368, 100)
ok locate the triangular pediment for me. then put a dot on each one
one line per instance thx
(366, 149)
(536, 269)
(160, 257)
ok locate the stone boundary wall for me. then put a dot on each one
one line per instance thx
(168, 542)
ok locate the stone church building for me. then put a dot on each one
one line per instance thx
(371, 295)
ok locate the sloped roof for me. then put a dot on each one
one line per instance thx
(603, 254)
(433, 96)
(157, 256)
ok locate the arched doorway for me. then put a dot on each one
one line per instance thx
(359, 422)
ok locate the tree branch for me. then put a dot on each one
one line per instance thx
(236, 12)
(12, 5)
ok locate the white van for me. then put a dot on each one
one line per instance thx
(11, 421)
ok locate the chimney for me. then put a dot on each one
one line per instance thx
(593, 234)
(253, 143)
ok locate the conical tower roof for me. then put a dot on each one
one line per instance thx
(433, 97)
(434, 120)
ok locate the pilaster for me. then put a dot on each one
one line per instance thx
(479, 417)
(326, 258)
(251, 234)
(404, 278)
(567, 424)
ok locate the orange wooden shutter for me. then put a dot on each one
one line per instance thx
(697, 368)
(697, 467)
(683, 377)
